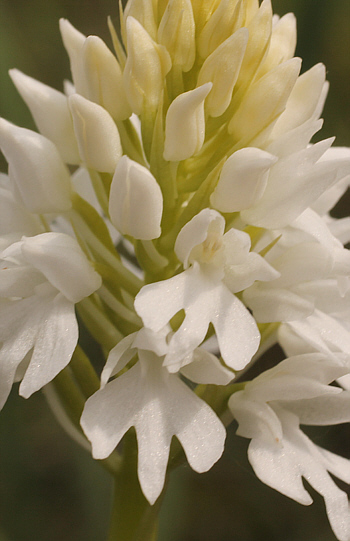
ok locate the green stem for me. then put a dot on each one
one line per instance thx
(133, 518)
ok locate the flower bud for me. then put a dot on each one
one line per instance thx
(185, 124)
(96, 133)
(242, 180)
(143, 12)
(41, 178)
(222, 69)
(259, 24)
(303, 100)
(221, 25)
(51, 114)
(265, 101)
(177, 33)
(282, 44)
(145, 69)
(104, 78)
(73, 40)
(135, 201)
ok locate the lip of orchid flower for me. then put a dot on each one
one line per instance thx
(159, 405)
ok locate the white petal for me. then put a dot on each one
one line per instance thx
(294, 184)
(204, 367)
(157, 303)
(256, 419)
(35, 165)
(14, 217)
(118, 357)
(46, 323)
(135, 201)
(51, 114)
(242, 180)
(208, 301)
(55, 342)
(302, 101)
(277, 468)
(62, 261)
(276, 304)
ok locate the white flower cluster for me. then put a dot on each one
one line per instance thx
(189, 150)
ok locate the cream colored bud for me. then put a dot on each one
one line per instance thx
(51, 114)
(242, 180)
(202, 11)
(265, 101)
(135, 201)
(177, 33)
(41, 178)
(225, 20)
(73, 41)
(96, 133)
(222, 69)
(303, 100)
(146, 67)
(142, 11)
(259, 27)
(282, 44)
(185, 124)
(104, 78)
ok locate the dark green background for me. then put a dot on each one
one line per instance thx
(50, 490)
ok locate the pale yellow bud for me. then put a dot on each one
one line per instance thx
(185, 124)
(96, 133)
(222, 69)
(251, 7)
(282, 44)
(146, 66)
(177, 33)
(202, 11)
(259, 37)
(303, 100)
(142, 11)
(264, 101)
(104, 78)
(226, 19)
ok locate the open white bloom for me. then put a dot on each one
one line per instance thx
(158, 404)
(269, 411)
(42, 278)
(217, 265)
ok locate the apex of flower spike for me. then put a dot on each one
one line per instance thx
(145, 69)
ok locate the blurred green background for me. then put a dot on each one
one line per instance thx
(50, 489)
